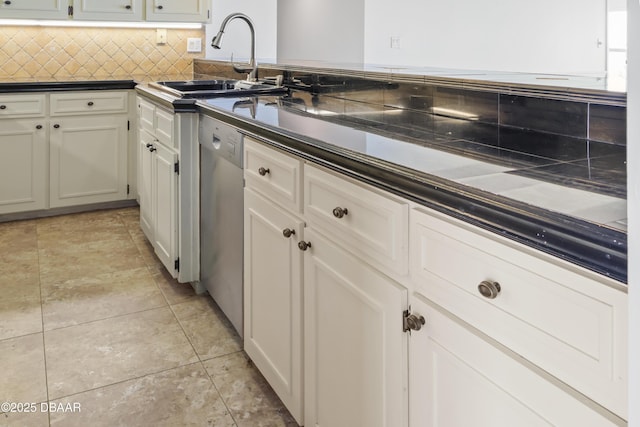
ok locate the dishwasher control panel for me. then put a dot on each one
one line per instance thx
(216, 135)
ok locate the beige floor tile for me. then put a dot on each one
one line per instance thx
(20, 309)
(20, 263)
(23, 370)
(107, 295)
(22, 419)
(246, 393)
(130, 217)
(209, 331)
(18, 236)
(72, 261)
(20, 316)
(183, 396)
(145, 248)
(92, 355)
(173, 291)
(80, 228)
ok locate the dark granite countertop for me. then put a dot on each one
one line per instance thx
(457, 172)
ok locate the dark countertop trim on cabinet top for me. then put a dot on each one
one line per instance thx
(586, 244)
(28, 87)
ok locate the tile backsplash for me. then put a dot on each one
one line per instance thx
(62, 52)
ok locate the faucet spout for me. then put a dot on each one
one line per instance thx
(251, 67)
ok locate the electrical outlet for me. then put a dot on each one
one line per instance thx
(194, 45)
(161, 36)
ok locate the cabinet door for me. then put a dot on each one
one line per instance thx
(34, 9)
(88, 160)
(273, 297)
(108, 10)
(165, 206)
(355, 349)
(23, 152)
(145, 180)
(458, 379)
(178, 11)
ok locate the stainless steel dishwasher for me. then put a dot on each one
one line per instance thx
(221, 216)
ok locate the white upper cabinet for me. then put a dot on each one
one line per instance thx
(34, 9)
(178, 11)
(108, 10)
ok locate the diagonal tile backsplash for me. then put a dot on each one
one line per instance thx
(97, 53)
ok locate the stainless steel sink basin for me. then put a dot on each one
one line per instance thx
(216, 88)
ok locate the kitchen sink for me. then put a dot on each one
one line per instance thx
(217, 88)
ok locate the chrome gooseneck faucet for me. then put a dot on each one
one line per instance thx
(251, 67)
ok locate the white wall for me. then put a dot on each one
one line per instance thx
(633, 198)
(506, 35)
(263, 14)
(502, 35)
(322, 30)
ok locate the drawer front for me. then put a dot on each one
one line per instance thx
(164, 126)
(570, 325)
(147, 116)
(275, 175)
(15, 106)
(366, 222)
(94, 102)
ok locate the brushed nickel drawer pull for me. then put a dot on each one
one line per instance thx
(287, 232)
(263, 171)
(90, 103)
(3, 107)
(489, 289)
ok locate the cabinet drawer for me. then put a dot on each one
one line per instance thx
(558, 317)
(15, 106)
(164, 126)
(366, 222)
(273, 174)
(94, 102)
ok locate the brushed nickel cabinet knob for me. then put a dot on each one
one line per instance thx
(287, 232)
(489, 289)
(340, 212)
(263, 171)
(303, 246)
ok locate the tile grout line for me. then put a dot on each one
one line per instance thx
(44, 341)
(202, 364)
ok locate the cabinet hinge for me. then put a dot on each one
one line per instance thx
(209, 14)
(128, 125)
(70, 11)
(176, 264)
(176, 167)
(128, 189)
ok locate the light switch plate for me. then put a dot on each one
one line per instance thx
(194, 45)
(161, 36)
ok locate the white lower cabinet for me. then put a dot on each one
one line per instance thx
(355, 348)
(88, 160)
(169, 218)
(158, 195)
(459, 379)
(164, 202)
(23, 165)
(273, 297)
(477, 331)
(68, 148)
(145, 180)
